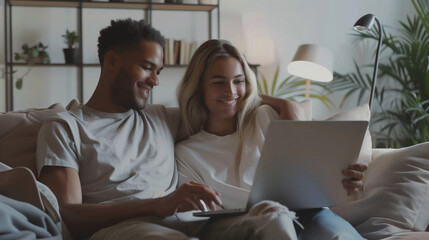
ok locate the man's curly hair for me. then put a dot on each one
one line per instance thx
(126, 34)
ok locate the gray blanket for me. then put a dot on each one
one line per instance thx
(20, 220)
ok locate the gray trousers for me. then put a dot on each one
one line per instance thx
(273, 225)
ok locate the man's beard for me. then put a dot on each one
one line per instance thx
(123, 91)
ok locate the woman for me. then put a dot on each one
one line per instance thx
(223, 128)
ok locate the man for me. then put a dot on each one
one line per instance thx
(112, 159)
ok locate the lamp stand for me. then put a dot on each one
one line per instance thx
(374, 74)
(307, 89)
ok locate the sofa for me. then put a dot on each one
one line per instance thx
(393, 204)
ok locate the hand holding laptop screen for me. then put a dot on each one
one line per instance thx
(302, 161)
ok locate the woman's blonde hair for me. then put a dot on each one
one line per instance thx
(190, 91)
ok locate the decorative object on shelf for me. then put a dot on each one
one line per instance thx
(190, 1)
(312, 62)
(365, 23)
(208, 2)
(71, 54)
(31, 55)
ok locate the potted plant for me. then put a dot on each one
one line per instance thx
(71, 54)
(31, 55)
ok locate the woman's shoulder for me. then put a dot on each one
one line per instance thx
(190, 141)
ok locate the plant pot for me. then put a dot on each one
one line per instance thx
(71, 55)
(34, 60)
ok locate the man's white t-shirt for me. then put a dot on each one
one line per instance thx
(119, 156)
(210, 159)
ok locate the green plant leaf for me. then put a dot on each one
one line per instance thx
(18, 83)
(273, 86)
(264, 81)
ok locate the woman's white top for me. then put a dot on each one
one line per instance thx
(210, 159)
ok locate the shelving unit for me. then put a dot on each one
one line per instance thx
(146, 7)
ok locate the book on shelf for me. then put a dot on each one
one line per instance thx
(171, 51)
(183, 52)
(167, 51)
(191, 50)
(178, 51)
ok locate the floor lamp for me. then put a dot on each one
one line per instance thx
(365, 23)
(312, 62)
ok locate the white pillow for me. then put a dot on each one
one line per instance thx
(355, 114)
(304, 112)
(395, 196)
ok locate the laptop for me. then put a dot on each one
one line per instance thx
(301, 162)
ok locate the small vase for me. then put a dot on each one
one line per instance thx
(208, 2)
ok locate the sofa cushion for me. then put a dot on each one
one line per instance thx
(18, 135)
(395, 196)
(357, 114)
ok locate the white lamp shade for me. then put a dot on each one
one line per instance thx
(312, 62)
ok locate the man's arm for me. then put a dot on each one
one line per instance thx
(82, 219)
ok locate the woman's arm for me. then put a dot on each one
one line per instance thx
(287, 109)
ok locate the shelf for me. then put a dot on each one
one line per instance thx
(45, 3)
(42, 65)
(77, 65)
(144, 6)
(116, 5)
(183, 7)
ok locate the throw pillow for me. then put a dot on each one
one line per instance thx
(395, 196)
(304, 110)
(18, 135)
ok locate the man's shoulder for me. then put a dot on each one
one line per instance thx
(66, 117)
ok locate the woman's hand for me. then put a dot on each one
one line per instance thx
(354, 174)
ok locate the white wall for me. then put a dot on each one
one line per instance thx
(289, 23)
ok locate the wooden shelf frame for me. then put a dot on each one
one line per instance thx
(146, 7)
(115, 5)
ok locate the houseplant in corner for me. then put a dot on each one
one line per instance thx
(71, 53)
(31, 55)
